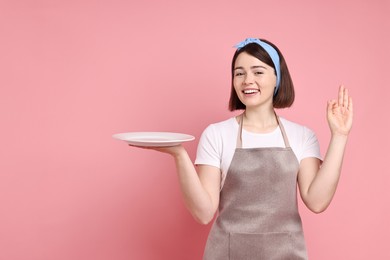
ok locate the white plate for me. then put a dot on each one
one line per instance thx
(154, 139)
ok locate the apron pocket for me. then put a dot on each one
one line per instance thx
(261, 246)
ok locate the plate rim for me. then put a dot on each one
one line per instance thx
(180, 138)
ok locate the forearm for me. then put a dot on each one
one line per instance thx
(323, 186)
(197, 200)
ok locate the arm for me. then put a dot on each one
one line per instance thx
(200, 189)
(317, 184)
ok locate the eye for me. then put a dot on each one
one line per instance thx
(258, 72)
(239, 73)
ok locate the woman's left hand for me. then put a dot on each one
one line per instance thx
(340, 113)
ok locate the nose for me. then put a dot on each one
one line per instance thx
(248, 79)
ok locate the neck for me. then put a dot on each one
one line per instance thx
(260, 120)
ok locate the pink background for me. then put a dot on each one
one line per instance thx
(72, 73)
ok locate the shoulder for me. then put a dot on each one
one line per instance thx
(302, 139)
(222, 127)
(293, 127)
(214, 141)
(219, 133)
(298, 134)
(290, 124)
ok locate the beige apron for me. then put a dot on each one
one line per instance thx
(258, 213)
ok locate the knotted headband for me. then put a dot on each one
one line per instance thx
(271, 52)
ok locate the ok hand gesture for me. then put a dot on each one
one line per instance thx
(340, 113)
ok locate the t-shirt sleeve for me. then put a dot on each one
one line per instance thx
(209, 148)
(311, 146)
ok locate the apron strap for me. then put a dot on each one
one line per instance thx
(239, 134)
(285, 139)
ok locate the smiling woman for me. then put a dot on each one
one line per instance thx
(75, 72)
(248, 166)
(254, 81)
(263, 65)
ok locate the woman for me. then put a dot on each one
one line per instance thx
(248, 166)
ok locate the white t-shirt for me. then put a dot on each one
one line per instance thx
(217, 143)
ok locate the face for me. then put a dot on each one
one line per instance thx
(254, 81)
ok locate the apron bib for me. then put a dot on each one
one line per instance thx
(258, 212)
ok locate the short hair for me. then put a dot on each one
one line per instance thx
(284, 97)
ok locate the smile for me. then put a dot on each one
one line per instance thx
(250, 91)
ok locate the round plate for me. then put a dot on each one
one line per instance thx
(153, 139)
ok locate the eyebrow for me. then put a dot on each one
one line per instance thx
(252, 67)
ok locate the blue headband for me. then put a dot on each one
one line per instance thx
(271, 52)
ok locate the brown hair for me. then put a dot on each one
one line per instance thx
(284, 97)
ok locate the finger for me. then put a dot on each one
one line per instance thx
(346, 98)
(350, 105)
(341, 95)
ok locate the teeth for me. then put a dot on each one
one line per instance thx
(250, 91)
